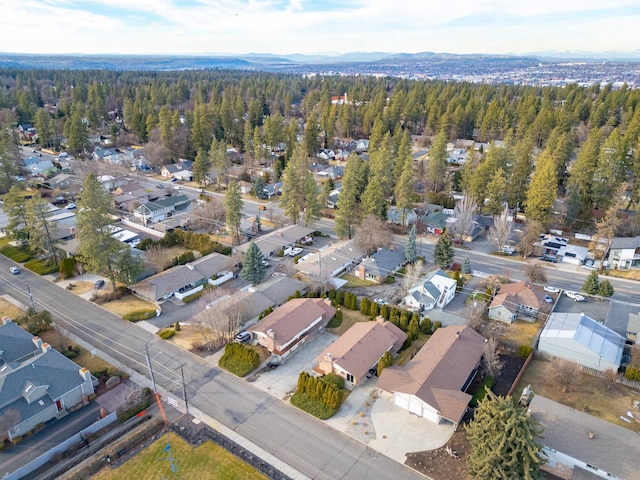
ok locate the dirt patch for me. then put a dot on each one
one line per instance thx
(128, 304)
(10, 310)
(438, 464)
(80, 287)
(349, 318)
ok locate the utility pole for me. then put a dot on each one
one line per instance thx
(184, 388)
(153, 380)
(33, 305)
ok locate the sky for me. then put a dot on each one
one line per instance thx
(283, 27)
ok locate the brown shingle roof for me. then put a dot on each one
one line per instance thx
(520, 293)
(439, 371)
(360, 347)
(293, 317)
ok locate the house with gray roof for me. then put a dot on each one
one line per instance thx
(181, 170)
(110, 155)
(271, 243)
(331, 261)
(624, 253)
(159, 210)
(437, 289)
(402, 216)
(185, 280)
(380, 265)
(580, 446)
(580, 339)
(436, 222)
(62, 180)
(358, 350)
(37, 383)
(433, 384)
(273, 189)
(279, 289)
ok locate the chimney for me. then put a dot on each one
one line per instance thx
(84, 373)
(380, 319)
(328, 357)
(45, 347)
(37, 341)
(6, 320)
(458, 334)
(270, 333)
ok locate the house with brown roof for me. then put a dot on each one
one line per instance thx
(285, 329)
(516, 300)
(433, 384)
(359, 349)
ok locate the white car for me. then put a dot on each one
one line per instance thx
(380, 301)
(575, 296)
(551, 289)
(71, 206)
(14, 270)
(295, 251)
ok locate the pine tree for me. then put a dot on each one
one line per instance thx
(200, 167)
(437, 166)
(14, 206)
(410, 249)
(413, 329)
(348, 216)
(466, 266)
(258, 189)
(258, 223)
(503, 441)
(542, 189)
(233, 210)
(373, 201)
(605, 289)
(311, 205)
(384, 362)
(443, 252)
(591, 284)
(253, 268)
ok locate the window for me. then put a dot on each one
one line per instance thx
(349, 378)
(29, 388)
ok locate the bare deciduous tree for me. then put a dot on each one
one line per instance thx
(156, 256)
(474, 316)
(492, 361)
(155, 151)
(610, 376)
(564, 373)
(529, 237)
(412, 275)
(535, 272)
(372, 234)
(464, 211)
(60, 337)
(8, 419)
(607, 227)
(499, 233)
(210, 215)
(220, 318)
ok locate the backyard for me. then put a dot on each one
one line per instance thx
(207, 461)
(349, 318)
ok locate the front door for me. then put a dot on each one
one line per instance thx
(59, 404)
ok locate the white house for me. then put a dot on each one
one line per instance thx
(580, 339)
(437, 289)
(624, 253)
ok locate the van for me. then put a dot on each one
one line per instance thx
(243, 337)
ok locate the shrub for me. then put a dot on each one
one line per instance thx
(70, 354)
(239, 359)
(316, 396)
(436, 325)
(68, 267)
(605, 289)
(145, 243)
(335, 321)
(456, 267)
(138, 315)
(525, 350)
(632, 373)
(425, 325)
(167, 333)
(335, 379)
(482, 391)
(296, 259)
(265, 313)
(390, 279)
(177, 326)
(126, 413)
(193, 296)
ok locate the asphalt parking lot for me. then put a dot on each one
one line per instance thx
(595, 309)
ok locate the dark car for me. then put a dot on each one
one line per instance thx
(159, 186)
(98, 283)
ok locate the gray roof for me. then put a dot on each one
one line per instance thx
(330, 259)
(154, 206)
(179, 166)
(620, 243)
(623, 317)
(279, 289)
(613, 449)
(277, 239)
(586, 331)
(15, 343)
(383, 262)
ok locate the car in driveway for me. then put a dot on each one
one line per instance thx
(14, 270)
(98, 283)
(548, 299)
(71, 206)
(575, 296)
(380, 301)
(550, 289)
(243, 337)
(158, 185)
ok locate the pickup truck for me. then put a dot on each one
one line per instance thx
(292, 251)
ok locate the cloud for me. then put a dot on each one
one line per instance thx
(308, 26)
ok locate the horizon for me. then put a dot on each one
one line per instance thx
(316, 28)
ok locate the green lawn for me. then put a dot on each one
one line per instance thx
(355, 281)
(349, 317)
(205, 462)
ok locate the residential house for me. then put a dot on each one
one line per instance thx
(273, 189)
(185, 280)
(333, 172)
(332, 199)
(582, 340)
(41, 167)
(362, 145)
(245, 187)
(62, 180)
(37, 383)
(326, 154)
(331, 261)
(110, 182)
(573, 254)
(581, 446)
(437, 289)
(624, 319)
(159, 210)
(433, 383)
(480, 226)
(285, 329)
(110, 155)
(271, 243)
(27, 132)
(401, 216)
(358, 350)
(436, 222)
(129, 196)
(278, 289)
(624, 253)
(180, 170)
(380, 265)
(516, 300)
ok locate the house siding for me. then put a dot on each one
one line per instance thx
(501, 314)
(575, 352)
(33, 421)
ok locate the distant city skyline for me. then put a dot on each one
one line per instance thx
(281, 27)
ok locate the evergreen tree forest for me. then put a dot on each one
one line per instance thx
(581, 142)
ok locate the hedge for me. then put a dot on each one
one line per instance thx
(138, 315)
(321, 397)
(192, 297)
(239, 359)
(525, 350)
(41, 267)
(17, 254)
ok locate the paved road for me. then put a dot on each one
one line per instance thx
(299, 440)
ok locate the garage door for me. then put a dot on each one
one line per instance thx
(415, 406)
(401, 401)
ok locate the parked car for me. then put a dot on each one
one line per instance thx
(380, 301)
(243, 337)
(549, 258)
(173, 180)
(201, 190)
(71, 206)
(14, 270)
(548, 299)
(551, 289)
(98, 283)
(575, 296)
(507, 250)
(159, 186)
(589, 266)
(262, 207)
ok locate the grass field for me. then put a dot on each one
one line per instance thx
(84, 358)
(205, 462)
(602, 399)
(349, 317)
(8, 309)
(354, 281)
(128, 304)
